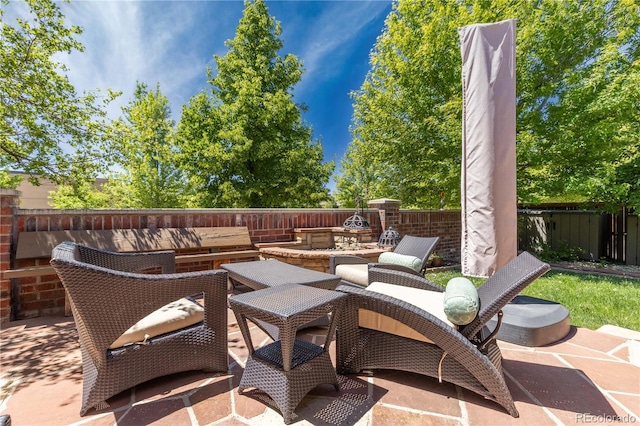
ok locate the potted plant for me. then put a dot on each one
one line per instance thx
(436, 260)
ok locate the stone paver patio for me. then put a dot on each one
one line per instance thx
(589, 377)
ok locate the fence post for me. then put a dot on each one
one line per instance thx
(389, 211)
(633, 240)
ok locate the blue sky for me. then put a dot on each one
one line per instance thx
(173, 42)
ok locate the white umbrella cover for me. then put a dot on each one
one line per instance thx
(488, 184)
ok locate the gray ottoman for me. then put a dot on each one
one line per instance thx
(529, 321)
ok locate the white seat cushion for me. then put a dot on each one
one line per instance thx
(358, 273)
(171, 317)
(430, 301)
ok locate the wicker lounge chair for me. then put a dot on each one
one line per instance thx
(107, 298)
(468, 357)
(353, 268)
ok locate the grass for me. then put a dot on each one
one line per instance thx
(592, 300)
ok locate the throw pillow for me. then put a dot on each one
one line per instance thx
(401, 259)
(461, 301)
(174, 316)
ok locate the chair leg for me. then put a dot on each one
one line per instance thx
(483, 344)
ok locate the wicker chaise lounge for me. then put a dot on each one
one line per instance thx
(468, 357)
(107, 298)
(353, 269)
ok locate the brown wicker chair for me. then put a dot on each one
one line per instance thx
(420, 247)
(468, 357)
(107, 298)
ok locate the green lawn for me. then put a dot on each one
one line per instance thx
(592, 300)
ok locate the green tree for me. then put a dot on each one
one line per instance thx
(146, 151)
(245, 143)
(143, 150)
(47, 130)
(358, 179)
(578, 93)
(7, 180)
(89, 195)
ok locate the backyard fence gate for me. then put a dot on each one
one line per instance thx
(611, 237)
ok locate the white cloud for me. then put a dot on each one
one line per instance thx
(172, 42)
(125, 42)
(325, 42)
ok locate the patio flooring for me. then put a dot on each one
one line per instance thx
(588, 377)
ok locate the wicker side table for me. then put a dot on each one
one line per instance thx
(288, 368)
(261, 274)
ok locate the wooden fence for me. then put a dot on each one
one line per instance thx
(600, 236)
(632, 240)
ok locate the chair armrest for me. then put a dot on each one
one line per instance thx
(344, 259)
(129, 262)
(391, 276)
(394, 267)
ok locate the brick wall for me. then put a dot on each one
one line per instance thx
(41, 296)
(8, 201)
(446, 224)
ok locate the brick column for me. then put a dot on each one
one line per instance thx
(9, 199)
(389, 211)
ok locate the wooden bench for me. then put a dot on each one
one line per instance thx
(193, 245)
(206, 244)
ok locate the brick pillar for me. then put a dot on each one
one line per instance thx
(389, 211)
(9, 199)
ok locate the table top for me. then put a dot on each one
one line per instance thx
(269, 273)
(286, 301)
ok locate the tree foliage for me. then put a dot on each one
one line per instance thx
(146, 151)
(578, 97)
(8, 180)
(91, 195)
(143, 150)
(244, 143)
(47, 130)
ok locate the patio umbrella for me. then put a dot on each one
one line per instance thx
(488, 184)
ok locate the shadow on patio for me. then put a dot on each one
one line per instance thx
(589, 376)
